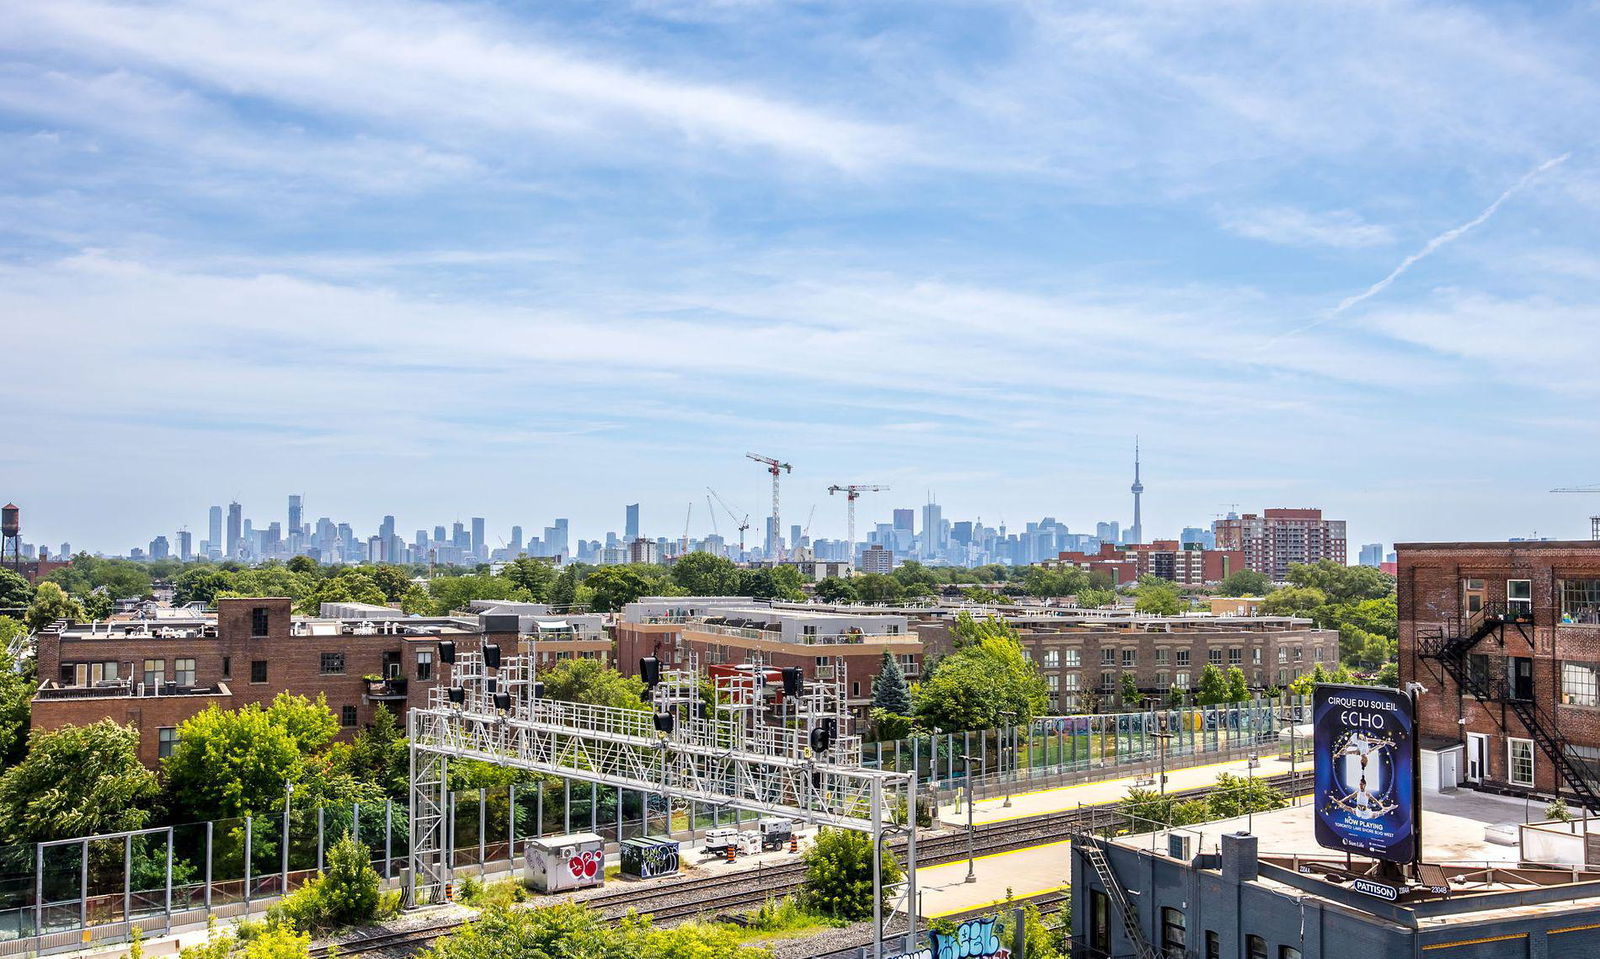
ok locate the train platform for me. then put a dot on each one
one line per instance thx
(1103, 792)
(1022, 873)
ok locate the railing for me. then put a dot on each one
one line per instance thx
(122, 690)
(804, 639)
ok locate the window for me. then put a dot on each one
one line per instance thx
(155, 670)
(1283, 654)
(1255, 947)
(391, 664)
(1580, 601)
(1163, 656)
(1108, 682)
(1580, 684)
(893, 629)
(347, 716)
(1520, 752)
(1100, 923)
(1519, 595)
(1283, 677)
(1181, 680)
(333, 664)
(1316, 653)
(1163, 679)
(855, 688)
(1214, 656)
(258, 621)
(1213, 945)
(258, 670)
(166, 738)
(227, 667)
(1054, 682)
(1072, 680)
(1235, 657)
(1028, 655)
(1108, 657)
(1172, 933)
(1478, 669)
(1288, 952)
(1255, 656)
(1074, 658)
(1299, 654)
(183, 672)
(808, 630)
(1130, 658)
(1052, 659)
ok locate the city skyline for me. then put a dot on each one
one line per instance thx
(591, 254)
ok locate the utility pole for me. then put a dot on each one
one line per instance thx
(972, 829)
(776, 468)
(852, 492)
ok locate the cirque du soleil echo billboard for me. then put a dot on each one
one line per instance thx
(1366, 768)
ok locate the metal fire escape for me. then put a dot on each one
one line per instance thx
(1485, 679)
(1089, 846)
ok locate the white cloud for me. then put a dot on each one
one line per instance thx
(1292, 226)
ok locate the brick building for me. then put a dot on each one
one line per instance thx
(738, 630)
(1506, 639)
(1275, 538)
(1086, 654)
(157, 673)
(1187, 563)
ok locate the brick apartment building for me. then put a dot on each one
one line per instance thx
(1275, 538)
(1188, 564)
(157, 673)
(1506, 639)
(736, 629)
(1087, 654)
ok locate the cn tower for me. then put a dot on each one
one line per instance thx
(1136, 531)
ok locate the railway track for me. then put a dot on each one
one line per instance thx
(710, 895)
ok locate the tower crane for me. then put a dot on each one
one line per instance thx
(709, 509)
(852, 492)
(776, 468)
(683, 544)
(743, 524)
(1594, 521)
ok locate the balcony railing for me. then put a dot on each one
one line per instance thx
(387, 688)
(118, 690)
(804, 639)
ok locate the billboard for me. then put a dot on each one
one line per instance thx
(1366, 768)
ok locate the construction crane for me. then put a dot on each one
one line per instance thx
(805, 531)
(683, 544)
(1594, 521)
(709, 509)
(851, 493)
(776, 468)
(743, 524)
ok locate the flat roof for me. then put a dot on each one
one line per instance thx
(1504, 544)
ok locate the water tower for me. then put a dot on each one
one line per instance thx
(11, 536)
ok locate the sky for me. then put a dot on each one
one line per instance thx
(523, 260)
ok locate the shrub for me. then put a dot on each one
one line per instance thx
(838, 880)
(345, 895)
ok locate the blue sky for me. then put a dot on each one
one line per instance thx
(523, 260)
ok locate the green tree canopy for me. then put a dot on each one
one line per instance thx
(451, 593)
(773, 582)
(15, 593)
(1245, 582)
(616, 586)
(985, 677)
(877, 588)
(17, 684)
(835, 589)
(569, 930)
(591, 681)
(1238, 686)
(1302, 601)
(889, 690)
(1157, 597)
(536, 577)
(1340, 583)
(380, 755)
(1063, 581)
(1213, 686)
(76, 781)
(1096, 598)
(200, 583)
(838, 878)
(705, 574)
(121, 578)
(50, 603)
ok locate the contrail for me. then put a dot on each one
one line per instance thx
(1429, 247)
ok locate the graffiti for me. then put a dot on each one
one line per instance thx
(586, 864)
(659, 860)
(973, 939)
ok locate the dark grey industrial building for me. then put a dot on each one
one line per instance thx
(1216, 895)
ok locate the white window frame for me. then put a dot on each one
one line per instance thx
(1511, 763)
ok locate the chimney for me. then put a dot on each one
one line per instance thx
(1239, 859)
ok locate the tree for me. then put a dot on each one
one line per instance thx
(120, 578)
(773, 582)
(302, 564)
(1342, 584)
(1129, 689)
(380, 755)
(705, 574)
(889, 690)
(1096, 598)
(17, 685)
(268, 581)
(50, 603)
(917, 579)
(1238, 686)
(1302, 601)
(1157, 597)
(838, 879)
(452, 593)
(569, 930)
(564, 592)
(392, 580)
(877, 588)
(275, 941)
(834, 589)
(1213, 686)
(200, 584)
(591, 681)
(615, 587)
(345, 895)
(346, 586)
(986, 676)
(76, 781)
(536, 577)
(1246, 582)
(230, 763)
(1066, 581)
(15, 593)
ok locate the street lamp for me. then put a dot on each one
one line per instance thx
(1009, 718)
(972, 873)
(1161, 759)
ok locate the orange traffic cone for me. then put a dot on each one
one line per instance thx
(730, 852)
(794, 843)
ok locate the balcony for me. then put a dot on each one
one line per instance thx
(384, 690)
(126, 689)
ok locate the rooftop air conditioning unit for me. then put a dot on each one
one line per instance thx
(1180, 846)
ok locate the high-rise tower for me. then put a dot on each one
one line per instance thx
(1136, 531)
